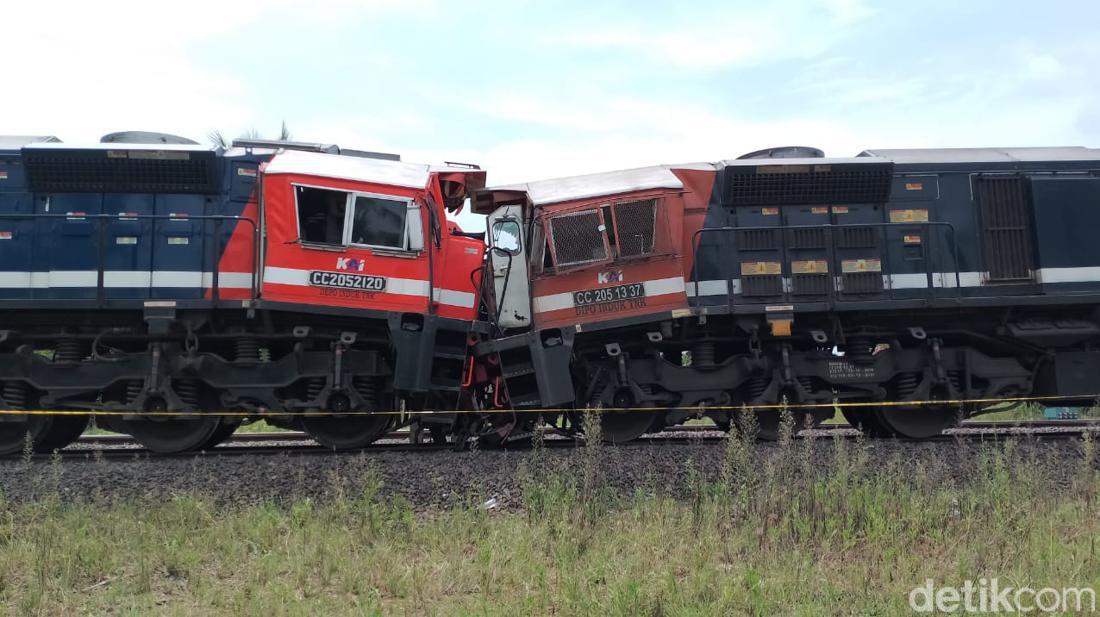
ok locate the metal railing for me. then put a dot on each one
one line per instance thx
(102, 220)
(830, 233)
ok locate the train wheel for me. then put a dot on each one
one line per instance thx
(918, 422)
(224, 432)
(624, 426)
(866, 420)
(63, 431)
(13, 433)
(346, 432)
(171, 435)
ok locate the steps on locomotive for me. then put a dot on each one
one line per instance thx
(449, 360)
(518, 369)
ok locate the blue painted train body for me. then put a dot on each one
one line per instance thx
(118, 221)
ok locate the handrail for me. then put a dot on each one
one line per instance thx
(103, 219)
(831, 249)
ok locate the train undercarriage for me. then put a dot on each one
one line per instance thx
(657, 374)
(187, 383)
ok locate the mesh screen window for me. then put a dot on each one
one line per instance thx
(577, 239)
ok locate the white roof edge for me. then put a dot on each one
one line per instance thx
(118, 146)
(375, 171)
(985, 155)
(573, 188)
(804, 161)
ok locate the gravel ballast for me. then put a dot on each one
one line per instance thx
(440, 478)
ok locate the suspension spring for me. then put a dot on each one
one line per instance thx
(860, 350)
(70, 350)
(908, 384)
(15, 394)
(756, 387)
(314, 386)
(366, 386)
(247, 350)
(188, 391)
(134, 388)
(702, 355)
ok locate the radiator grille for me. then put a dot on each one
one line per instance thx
(1006, 222)
(121, 171)
(577, 238)
(809, 184)
(635, 222)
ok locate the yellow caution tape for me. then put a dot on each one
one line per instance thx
(551, 410)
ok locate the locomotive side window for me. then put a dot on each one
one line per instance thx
(578, 238)
(635, 226)
(379, 222)
(506, 236)
(321, 214)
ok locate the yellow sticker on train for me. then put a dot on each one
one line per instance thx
(852, 266)
(769, 211)
(911, 239)
(755, 268)
(917, 215)
(914, 186)
(840, 209)
(813, 266)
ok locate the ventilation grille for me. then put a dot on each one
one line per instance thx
(577, 239)
(635, 222)
(862, 282)
(809, 184)
(757, 240)
(121, 171)
(857, 237)
(810, 284)
(762, 285)
(1006, 219)
(806, 239)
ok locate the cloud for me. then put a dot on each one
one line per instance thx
(88, 68)
(726, 36)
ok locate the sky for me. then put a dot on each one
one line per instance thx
(532, 90)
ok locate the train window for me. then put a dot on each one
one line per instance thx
(321, 214)
(506, 236)
(379, 222)
(635, 223)
(578, 238)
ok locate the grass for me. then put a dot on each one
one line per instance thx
(770, 535)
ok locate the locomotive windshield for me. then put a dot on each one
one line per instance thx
(374, 221)
(379, 222)
(321, 214)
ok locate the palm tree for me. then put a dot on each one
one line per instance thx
(217, 138)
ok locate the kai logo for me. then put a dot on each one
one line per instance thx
(611, 276)
(349, 263)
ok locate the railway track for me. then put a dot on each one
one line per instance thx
(119, 447)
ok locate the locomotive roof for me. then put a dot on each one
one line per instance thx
(863, 159)
(570, 188)
(377, 171)
(986, 155)
(18, 141)
(58, 145)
